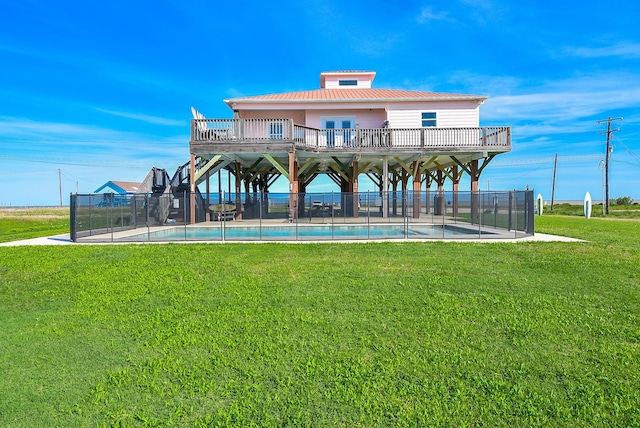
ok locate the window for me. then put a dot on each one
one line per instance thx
(429, 119)
(350, 82)
(276, 131)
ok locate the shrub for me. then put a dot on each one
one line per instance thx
(623, 200)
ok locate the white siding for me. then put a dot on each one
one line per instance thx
(297, 116)
(450, 114)
(446, 116)
(332, 81)
(364, 118)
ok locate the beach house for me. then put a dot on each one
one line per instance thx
(402, 140)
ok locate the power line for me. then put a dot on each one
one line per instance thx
(625, 162)
(106, 164)
(627, 148)
(543, 161)
(553, 185)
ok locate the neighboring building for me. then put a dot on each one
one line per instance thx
(116, 193)
(345, 129)
(119, 187)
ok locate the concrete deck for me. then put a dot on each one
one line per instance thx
(64, 239)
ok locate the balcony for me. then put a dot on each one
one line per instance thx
(239, 135)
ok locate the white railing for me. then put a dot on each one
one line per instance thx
(256, 130)
(241, 129)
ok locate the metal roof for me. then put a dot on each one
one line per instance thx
(355, 95)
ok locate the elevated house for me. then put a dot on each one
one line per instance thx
(400, 139)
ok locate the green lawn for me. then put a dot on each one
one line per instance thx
(615, 211)
(25, 223)
(370, 334)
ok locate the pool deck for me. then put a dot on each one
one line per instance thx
(120, 237)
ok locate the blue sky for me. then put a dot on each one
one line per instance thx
(101, 90)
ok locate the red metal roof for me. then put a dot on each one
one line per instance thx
(356, 94)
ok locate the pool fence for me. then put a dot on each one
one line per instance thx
(255, 216)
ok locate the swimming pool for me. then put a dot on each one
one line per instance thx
(307, 232)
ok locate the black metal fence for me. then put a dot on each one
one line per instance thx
(303, 216)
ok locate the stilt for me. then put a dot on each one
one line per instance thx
(192, 189)
(385, 186)
(404, 179)
(208, 204)
(354, 188)
(455, 188)
(238, 191)
(394, 194)
(474, 190)
(248, 207)
(428, 180)
(439, 200)
(417, 181)
(293, 186)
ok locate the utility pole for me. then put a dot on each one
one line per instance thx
(553, 185)
(607, 157)
(60, 184)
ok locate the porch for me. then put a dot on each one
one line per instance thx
(229, 134)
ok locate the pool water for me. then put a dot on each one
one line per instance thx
(291, 232)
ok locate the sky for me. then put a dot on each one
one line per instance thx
(98, 91)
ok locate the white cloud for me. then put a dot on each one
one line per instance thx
(558, 106)
(562, 101)
(144, 118)
(428, 14)
(67, 143)
(537, 130)
(484, 12)
(621, 50)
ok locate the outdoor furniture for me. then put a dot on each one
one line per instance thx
(205, 131)
(201, 126)
(223, 212)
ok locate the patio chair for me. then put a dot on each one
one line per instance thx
(203, 132)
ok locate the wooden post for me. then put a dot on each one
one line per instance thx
(440, 181)
(474, 190)
(438, 207)
(192, 189)
(238, 191)
(428, 179)
(247, 198)
(404, 178)
(208, 204)
(394, 193)
(385, 186)
(354, 188)
(293, 186)
(456, 183)
(417, 182)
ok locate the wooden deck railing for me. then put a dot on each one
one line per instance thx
(284, 130)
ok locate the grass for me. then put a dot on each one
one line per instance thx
(25, 223)
(615, 211)
(370, 334)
